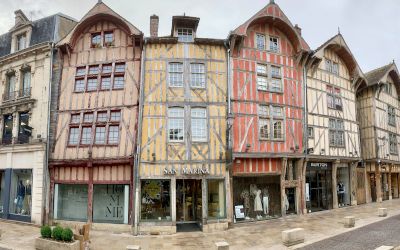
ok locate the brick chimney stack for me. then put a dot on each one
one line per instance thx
(298, 29)
(154, 26)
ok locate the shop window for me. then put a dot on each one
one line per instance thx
(260, 41)
(155, 200)
(216, 199)
(108, 38)
(111, 203)
(2, 190)
(7, 129)
(274, 44)
(96, 40)
(21, 192)
(176, 124)
(70, 202)
(197, 75)
(113, 134)
(199, 124)
(175, 74)
(185, 35)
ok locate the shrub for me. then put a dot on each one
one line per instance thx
(67, 234)
(57, 233)
(45, 231)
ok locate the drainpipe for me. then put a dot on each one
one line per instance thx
(139, 141)
(46, 175)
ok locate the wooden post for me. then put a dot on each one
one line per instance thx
(173, 200)
(334, 185)
(389, 181)
(367, 186)
(303, 193)
(283, 191)
(204, 201)
(300, 184)
(353, 184)
(90, 192)
(378, 185)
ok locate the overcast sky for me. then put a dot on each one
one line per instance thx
(371, 28)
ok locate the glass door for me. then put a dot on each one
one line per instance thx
(188, 201)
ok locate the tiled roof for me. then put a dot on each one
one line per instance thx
(374, 76)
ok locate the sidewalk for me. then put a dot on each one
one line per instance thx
(258, 235)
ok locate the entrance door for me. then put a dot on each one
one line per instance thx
(395, 186)
(373, 187)
(361, 197)
(320, 189)
(188, 201)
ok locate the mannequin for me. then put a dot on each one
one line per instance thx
(28, 197)
(245, 195)
(257, 201)
(341, 190)
(20, 197)
(286, 202)
(265, 201)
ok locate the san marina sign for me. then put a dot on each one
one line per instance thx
(187, 171)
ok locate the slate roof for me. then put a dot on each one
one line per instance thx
(374, 76)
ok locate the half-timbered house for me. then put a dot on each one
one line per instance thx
(182, 176)
(333, 144)
(378, 114)
(26, 58)
(267, 57)
(94, 127)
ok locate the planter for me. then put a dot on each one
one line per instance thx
(46, 244)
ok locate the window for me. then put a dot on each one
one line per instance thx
(100, 137)
(20, 193)
(26, 83)
(120, 68)
(155, 200)
(332, 67)
(185, 35)
(107, 69)
(113, 134)
(274, 44)
(262, 79)
(333, 98)
(276, 85)
(88, 118)
(108, 38)
(277, 130)
(197, 75)
(21, 42)
(101, 116)
(79, 85)
(387, 88)
(111, 203)
(70, 202)
(264, 128)
(199, 124)
(96, 40)
(391, 116)
(176, 124)
(393, 143)
(175, 74)
(310, 132)
(80, 71)
(336, 133)
(92, 84)
(216, 199)
(260, 40)
(93, 70)
(10, 88)
(270, 117)
(86, 135)
(7, 129)
(73, 138)
(75, 118)
(24, 131)
(115, 116)
(275, 72)
(119, 82)
(276, 111)
(105, 83)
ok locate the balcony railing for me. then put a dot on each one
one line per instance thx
(14, 95)
(26, 92)
(23, 138)
(7, 139)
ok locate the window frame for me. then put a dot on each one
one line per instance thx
(336, 133)
(180, 118)
(108, 134)
(97, 44)
(173, 71)
(274, 47)
(393, 144)
(108, 43)
(310, 132)
(267, 117)
(90, 139)
(184, 36)
(391, 113)
(198, 74)
(264, 39)
(198, 118)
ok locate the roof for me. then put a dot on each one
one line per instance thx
(43, 30)
(185, 22)
(375, 76)
(99, 11)
(273, 14)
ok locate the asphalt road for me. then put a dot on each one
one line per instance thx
(385, 232)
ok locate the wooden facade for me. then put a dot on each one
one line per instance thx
(98, 103)
(163, 157)
(379, 112)
(262, 143)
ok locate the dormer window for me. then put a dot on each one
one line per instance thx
(21, 42)
(108, 38)
(185, 35)
(96, 40)
(274, 44)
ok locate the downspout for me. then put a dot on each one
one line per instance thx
(303, 201)
(45, 204)
(139, 141)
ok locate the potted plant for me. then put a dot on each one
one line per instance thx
(57, 238)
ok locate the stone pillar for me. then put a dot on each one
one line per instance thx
(353, 184)
(204, 200)
(334, 185)
(173, 200)
(389, 181)
(15, 127)
(378, 182)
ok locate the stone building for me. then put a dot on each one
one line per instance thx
(182, 178)
(95, 120)
(379, 111)
(27, 56)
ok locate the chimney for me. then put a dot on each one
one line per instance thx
(20, 17)
(298, 29)
(154, 26)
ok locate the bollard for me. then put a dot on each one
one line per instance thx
(382, 212)
(349, 221)
(133, 247)
(222, 245)
(293, 236)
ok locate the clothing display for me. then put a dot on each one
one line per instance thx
(265, 205)
(341, 192)
(257, 201)
(286, 203)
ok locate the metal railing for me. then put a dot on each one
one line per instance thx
(23, 138)
(7, 139)
(14, 95)
(26, 92)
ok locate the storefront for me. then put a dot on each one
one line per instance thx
(343, 186)
(319, 186)
(16, 194)
(183, 199)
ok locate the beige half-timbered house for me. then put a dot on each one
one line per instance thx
(333, 144)
(94, 134)
(378, 114)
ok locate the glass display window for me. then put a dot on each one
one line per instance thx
(216, 199)
(71, 202)
(111, 203)
(155, 200)
(343, 186)
(2, 191)
(21, 192)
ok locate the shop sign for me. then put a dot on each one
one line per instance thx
(319, 165)
(187, 171)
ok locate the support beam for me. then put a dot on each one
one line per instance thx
(378, 182)
(334, 185)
